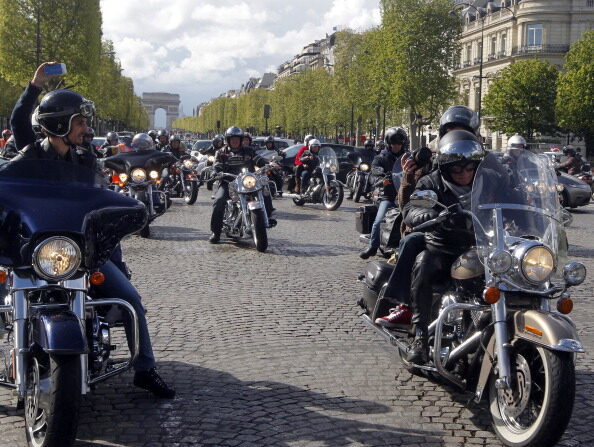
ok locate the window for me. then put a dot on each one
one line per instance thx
(493, 46)
(468, 53)
(503, 43)
(534, 35)
(590, 2)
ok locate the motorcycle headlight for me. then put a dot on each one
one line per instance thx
(211, 158)
(500, 261)
(189, 164)
(56, 258)
(154, 175)
(249, 182)
(139, 175)
(574, 273)
(537, 264)
(364, 167)
(123, 178)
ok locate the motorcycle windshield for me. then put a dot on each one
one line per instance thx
(47, 197)
(515, 198)
(328, 159)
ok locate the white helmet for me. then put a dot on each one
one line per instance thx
(516, 142)
(307, 138)
(314, 142)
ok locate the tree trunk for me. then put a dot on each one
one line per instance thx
(414, 143)
(589, 141)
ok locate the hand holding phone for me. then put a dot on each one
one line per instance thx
(55, 69)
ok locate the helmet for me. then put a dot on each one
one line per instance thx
(58, 107)
(218, 141)
(90, 132)
(459, 146)
(173, 138)
(516, 142)
(111, 136)
(142, 142)
(162, 133)
(396, 135)
(306, 139)
(314, 142)
(569, 150)
(34, 123)
(368, 143)
(380, 145)
(269, 139)
(233, 131)
(248, 135)
(458, 116)
(152, 133)
(6, 133)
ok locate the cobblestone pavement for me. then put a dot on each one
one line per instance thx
(269, 349)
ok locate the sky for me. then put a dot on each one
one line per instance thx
(202, 48)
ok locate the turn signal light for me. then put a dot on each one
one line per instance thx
(3, 276)
(115, 178)
(97, 278)
(565, 305)
(386, 182)
(492, 295)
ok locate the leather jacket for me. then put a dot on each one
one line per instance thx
(44, 150)
(232, 162)
(386, 160)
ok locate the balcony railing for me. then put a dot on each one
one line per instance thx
(539, 49)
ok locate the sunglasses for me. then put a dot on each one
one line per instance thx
(457, 169)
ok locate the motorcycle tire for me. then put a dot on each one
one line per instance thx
(191, 193)
(334, 204)
(52, 420)
(542, 418)
(145, 232)
(299, 202)
(259, 230)
(359, 192)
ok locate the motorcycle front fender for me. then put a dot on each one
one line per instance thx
(59, 332)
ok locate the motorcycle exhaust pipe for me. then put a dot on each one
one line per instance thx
(291, 195)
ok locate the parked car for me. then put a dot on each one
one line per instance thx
(279, 143)
(575, 192)
(201, 144)
(98, 141)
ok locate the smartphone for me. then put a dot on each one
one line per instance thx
(55, 69)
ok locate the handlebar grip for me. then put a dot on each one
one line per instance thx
(431, 223)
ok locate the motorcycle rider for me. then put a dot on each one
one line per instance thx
(572, 165)
(111, 145)
(217, 143)
(231, 159)
(460, 152)
(379, 146)
(6, 134)
(162, 140)
(153, 134)
(88, 142)
(247, 139)
(269, 144)
(63, 115)
(310, 161)
(298, 165)
(390, 160)
(174, 147)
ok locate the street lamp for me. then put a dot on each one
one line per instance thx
(480, 76)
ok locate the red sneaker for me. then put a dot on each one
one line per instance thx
(399, 316)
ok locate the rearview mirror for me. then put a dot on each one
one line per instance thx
(377, 170)
(424, 199)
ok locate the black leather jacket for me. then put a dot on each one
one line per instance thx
(232, 162)
(43, 149)
(386, 160)
(309, 164)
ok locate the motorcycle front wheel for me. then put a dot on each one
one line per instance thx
(333, 198)
(359, 190)
(52, 402)
(191, 193)
(259, 230)
(537, 409)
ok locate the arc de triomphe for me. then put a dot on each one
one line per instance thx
(167, 101)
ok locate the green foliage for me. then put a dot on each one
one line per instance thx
(522, 99)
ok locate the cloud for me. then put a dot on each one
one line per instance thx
(201, 48)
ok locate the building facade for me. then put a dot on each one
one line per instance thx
(496, 34)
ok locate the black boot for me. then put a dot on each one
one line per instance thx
(150, 380)
(417, 352)
(369, 251)
(214, 238)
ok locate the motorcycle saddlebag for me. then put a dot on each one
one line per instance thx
(376, 275)
(390, 229)
(364, 217)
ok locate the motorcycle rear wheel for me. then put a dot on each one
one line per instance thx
(191, 193)
(538, 408)
(52, 403)
(259, 230)
(299, 202)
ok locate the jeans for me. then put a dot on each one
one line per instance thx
(399, 283)
(382, 209)
(305, 176)
(117, 285)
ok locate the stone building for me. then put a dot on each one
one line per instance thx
(315, 55)
(499, 33)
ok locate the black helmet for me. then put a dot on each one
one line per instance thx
(90, 132)
(380, 145)
(6, 133)
(163, 133)
(173, 138)
(142, 142)
(458, 116)
(396, 135)
(269, 139)
(152, 133)
(233, 131)
(58, 107)
(111, 136)
(218, 141)
(569, 150)
(459, 146)
(369, 143)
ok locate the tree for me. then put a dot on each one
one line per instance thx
(522, 99)
(575, 91)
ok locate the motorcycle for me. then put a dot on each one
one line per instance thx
(205, 170)
(358, 181)
(586, 176)
(182, 180)
(496, 329)
(60, 335)
(323, 184)
(138, 174)
(245, 213)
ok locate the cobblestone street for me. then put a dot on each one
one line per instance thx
(268, 349)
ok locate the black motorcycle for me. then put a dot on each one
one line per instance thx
(56, 228)
(181, 179)
(359, 181)
(138, 174)
(323, 186)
